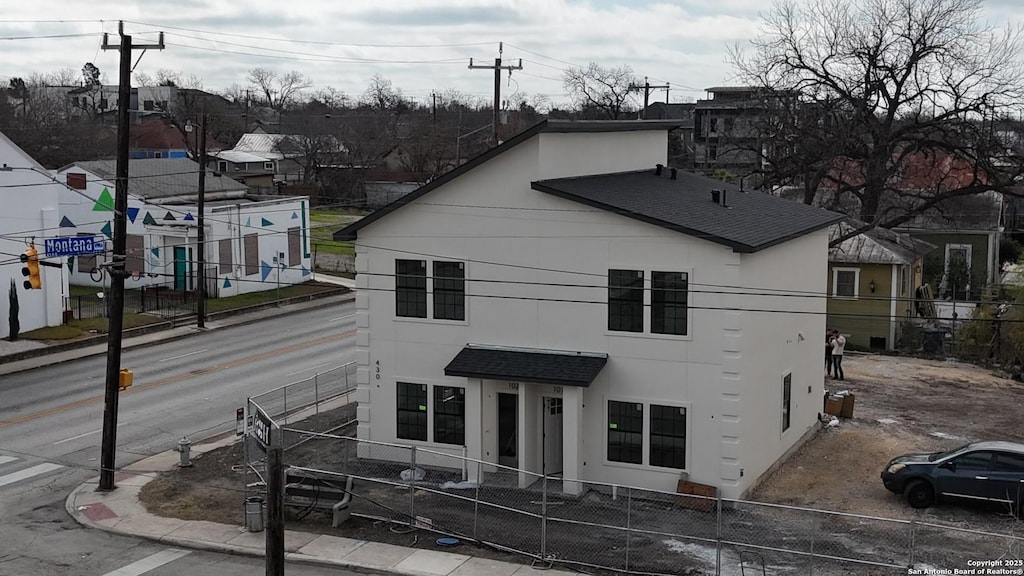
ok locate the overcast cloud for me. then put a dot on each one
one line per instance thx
(421, 45)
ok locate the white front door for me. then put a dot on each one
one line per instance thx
(552, 430)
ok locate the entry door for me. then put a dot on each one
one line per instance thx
(508, 425)
(552, 428)
(180, 269)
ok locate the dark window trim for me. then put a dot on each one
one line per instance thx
(449, 290)
(670, 303)
(411, 288)
(625, 300)
(450, 415)
(668, 436)
(411, 417)
(625, 428)
(787, 401)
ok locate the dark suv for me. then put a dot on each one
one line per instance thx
(984, 471)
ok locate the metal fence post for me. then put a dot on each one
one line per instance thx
(812, 553)
(544, 520)
(412, 488)
(718, 537)
(285, 404)
(912, 543)
(316, 401)
(629, 524)
(476, 501)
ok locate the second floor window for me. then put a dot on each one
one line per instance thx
(626, 300)
(411, 288)
(668, 303)
(449, 290)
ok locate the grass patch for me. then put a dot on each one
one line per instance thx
(255, 298)
(323, 226)
(85, 326)
(53, 333)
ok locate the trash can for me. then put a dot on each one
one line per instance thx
(254, 514)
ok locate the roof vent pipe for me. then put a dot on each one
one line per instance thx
(723, 198)
(673, 172)
(657, 169)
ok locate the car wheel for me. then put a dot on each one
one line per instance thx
(919, 494)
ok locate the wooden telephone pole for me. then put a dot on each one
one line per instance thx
(646, 87)
(117, 265)
(497, 67)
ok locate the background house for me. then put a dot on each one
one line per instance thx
(872, 280)
(727, 134)
(251, 244)
(559, 306)
(31, 200)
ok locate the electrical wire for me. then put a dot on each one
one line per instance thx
(319, 58)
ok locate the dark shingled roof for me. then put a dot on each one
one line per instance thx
(542, 366)
(749, 222)
(545, 126)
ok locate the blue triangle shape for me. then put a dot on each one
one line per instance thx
(155, 251)
(65, 223)
(305, 272)
(106, 230)
(227, 283)
(188, 217)
(266, 222)
(295, 215)
(248, 222)
(264, 270)
(132, 213)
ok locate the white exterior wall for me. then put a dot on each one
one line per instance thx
(269, 220)
(516, 242)
(30, 202)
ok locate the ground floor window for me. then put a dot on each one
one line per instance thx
(668, 436)
(625, 432)
(450, 415)
(412, 411)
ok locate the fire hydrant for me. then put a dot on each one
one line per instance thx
(184, 448)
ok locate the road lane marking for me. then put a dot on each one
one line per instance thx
(81, 436)
(6, 459)
(181, 377)
(183, 355)
(150, 563)
(310, 368)
(28, 473)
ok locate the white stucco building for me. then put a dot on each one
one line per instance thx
(561, 306)
(252, 244)
(30, 199)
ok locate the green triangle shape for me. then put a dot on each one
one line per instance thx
(155, 251)
(106, 230)
(105, 202)
(266, 222)
(149, 219)
(71, 263)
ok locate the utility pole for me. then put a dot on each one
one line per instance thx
(275, 503)
(647, 94)
(117, 265)
(497, 67)
(201, 232)
(433, 108)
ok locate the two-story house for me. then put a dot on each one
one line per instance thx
(560, 305)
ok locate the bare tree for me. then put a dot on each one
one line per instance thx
(600, 91)
(278, 91)
(143, 79)
(91, 74)
(872, 90)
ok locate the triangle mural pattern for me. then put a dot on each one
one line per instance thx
(149, 219)
(188, 217)
(105, 203)
(264, 270)
(169, 216)
(266, 222)
(106, 231)
(305, 271)
(295, 215)
(133, 213)
(227, 283)
(66, 223)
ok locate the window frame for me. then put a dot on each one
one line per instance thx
(626, 405)
(415, 285)
(443, 418)
(630, 304)
(835, 282)
(651, 434)
(787, 401)
(448, 293)
(667, 304)
(421, 411)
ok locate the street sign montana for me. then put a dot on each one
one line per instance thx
(73, 246)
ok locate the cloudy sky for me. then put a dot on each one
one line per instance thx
(420, 45)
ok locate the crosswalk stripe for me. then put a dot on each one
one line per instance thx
(28, 473)
(149, 563)
(6, 459)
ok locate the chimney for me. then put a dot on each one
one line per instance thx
(716, 196)
(673, 172)
(657, 169)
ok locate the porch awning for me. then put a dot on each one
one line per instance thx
(527, 365)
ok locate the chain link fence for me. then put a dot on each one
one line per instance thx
(598, 527)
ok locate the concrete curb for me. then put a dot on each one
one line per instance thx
(319, 302)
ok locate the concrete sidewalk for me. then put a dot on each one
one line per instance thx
(157, 337)
(120, 512)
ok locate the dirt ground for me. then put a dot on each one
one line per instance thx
(902, 405)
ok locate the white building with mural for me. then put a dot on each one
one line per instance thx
(252, 243)
(30, 200)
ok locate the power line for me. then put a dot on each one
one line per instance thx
(314, 58)
(50, 36)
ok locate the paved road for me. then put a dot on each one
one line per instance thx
(50, 421)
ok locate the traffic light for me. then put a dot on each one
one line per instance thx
(31, 269)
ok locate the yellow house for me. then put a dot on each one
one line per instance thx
(872, 279)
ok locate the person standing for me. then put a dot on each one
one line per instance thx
(838, 347)
(828, 352)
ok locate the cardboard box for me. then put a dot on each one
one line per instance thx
(833, 405)
(702, 497)
(847, 411)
